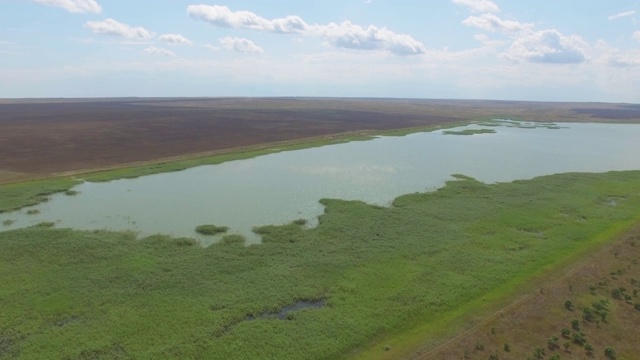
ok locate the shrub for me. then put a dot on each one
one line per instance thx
(72, 192)
(33, 211)
(569, 305)
(609, 353)
(506, 347)
(566, 332)
(575, 325)
(588, 315)
(618, 293)
(579, 339)
(8, 222)
(538, 353)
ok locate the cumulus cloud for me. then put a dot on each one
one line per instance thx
(222, 16)
(240, 45)
(622, 15)
(74, 6)
(484, 6)
(115, 28)
(548, 46)
(350, 36)
(344, 35)
(175, 39)
(492, 23)
(152, 50)
(636, 35)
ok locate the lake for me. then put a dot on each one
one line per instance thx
(282, 187)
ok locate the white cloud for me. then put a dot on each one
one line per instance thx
(625, 60)
(622, 15)
(344, 35)
(636, 35)
(175, 39)
(115, 28)
(212, 47)
(159, 51)
(222, 16)
(491, 22)
(488, 42)
(240, 45)
(74, 6)
(350, 36)
(548, 46)
(484, 6)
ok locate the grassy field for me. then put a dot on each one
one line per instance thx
(384, 280)
(577, 314)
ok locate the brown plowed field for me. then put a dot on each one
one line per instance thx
(41, 137)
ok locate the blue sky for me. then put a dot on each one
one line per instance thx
(549, 50)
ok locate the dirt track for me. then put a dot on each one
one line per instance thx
(40, 137)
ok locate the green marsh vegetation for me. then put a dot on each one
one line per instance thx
(520, 124)
(18, 195)
(211, 229)
(383, 274)
(469, 132)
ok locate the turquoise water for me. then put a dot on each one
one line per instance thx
(279, 188)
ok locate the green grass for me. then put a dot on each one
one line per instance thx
(383, 272)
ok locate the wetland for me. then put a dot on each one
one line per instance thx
(364, 249)
(283, 187)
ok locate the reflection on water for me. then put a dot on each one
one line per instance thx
(279, 188)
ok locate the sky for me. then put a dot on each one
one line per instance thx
(543, 50)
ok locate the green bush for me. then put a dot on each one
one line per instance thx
(610, 353)
(568, 305)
